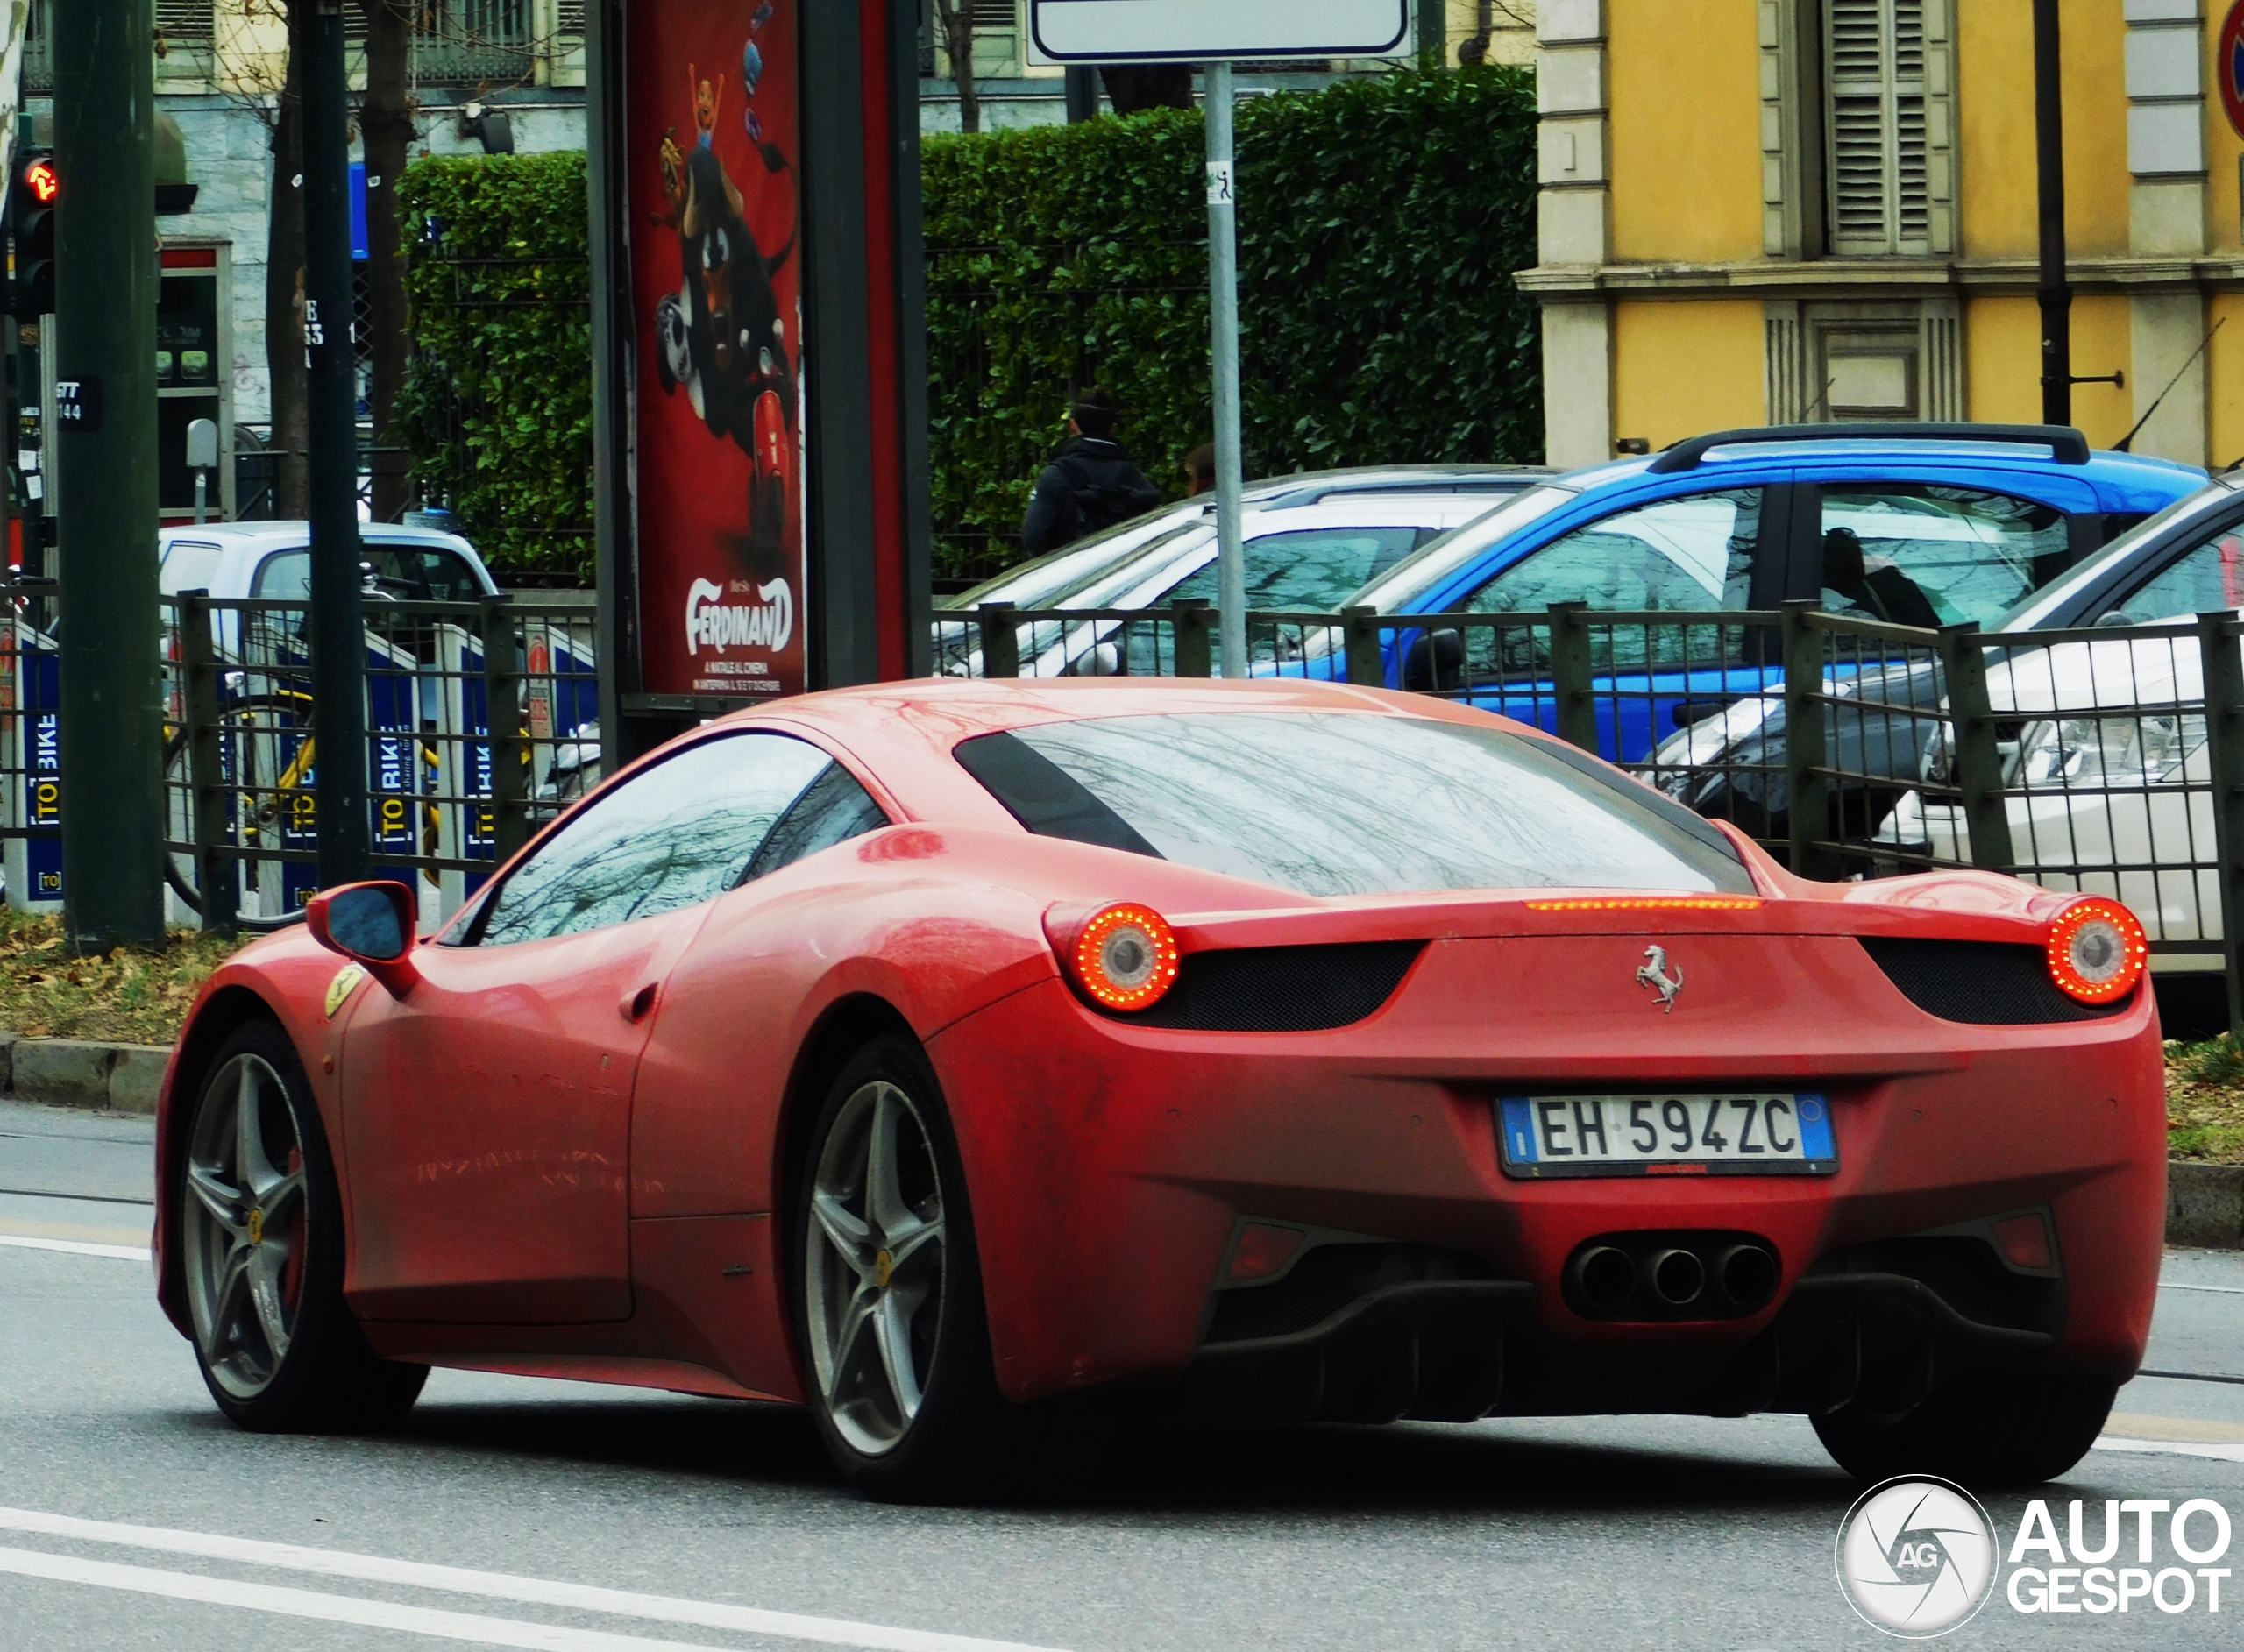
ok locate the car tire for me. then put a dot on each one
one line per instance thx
(259, 1233)
(1981, 1428)
(887, 1290)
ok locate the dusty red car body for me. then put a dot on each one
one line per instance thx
(548, 1168)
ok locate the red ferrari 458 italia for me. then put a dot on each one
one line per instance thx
(921, 1052)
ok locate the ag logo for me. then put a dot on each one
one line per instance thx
(1916, 1557)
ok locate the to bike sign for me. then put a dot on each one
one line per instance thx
(1214, 30)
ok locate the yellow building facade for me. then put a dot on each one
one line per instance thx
(1770, 211)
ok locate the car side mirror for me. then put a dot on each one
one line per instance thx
(1435, 662)
(372, 924)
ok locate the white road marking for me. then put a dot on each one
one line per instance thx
(2218, 1290)
(2170, 1448)
(77, 1247)
(353, 1609)
(460, 1580)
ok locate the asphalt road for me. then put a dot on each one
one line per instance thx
(510, 1512)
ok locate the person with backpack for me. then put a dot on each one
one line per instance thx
(1092, 483)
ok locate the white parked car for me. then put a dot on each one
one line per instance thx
(424, 696)
(1311, 541)
(2111, 757)
(272, 561)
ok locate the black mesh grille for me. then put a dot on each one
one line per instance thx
(1989, 982)
(1281, 988)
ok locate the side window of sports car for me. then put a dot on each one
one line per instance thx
(2205, 579)
(675, 835)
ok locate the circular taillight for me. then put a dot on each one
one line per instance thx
(2098, 950)
(1125, 957)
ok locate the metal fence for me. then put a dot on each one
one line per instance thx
(2110, 761)
(481, 723)
(2106, 760)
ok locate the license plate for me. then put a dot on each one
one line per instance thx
(1725, 1134)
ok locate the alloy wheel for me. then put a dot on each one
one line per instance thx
(873, 1266)
(244, 1221)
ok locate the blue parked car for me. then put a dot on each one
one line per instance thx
(1913, 524)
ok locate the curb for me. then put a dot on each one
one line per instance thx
(123, 1078)
(2205, 1204)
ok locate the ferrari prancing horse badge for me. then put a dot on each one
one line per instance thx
(340, 989)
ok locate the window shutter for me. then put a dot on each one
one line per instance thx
(184, 22)
(1874, 68)
(569, 18)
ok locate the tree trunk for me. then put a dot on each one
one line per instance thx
(1131, 87)
(284, 292)
(386, 123)
(956, 21)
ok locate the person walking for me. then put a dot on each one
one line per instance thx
(1091, 484)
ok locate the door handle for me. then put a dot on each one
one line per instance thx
(634, 1005)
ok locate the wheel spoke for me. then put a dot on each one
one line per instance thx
(251, 1168)
(849, 1338)
(220, 1200)
(884, 1187)
(264, 1268)
(892, 1325)
(917, 1236)
(275, 1200)
(226, 1301)
(846, 1233)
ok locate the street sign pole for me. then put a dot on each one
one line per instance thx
(338, 631)
(111, 712)
(1223, 312)
(1076, 35)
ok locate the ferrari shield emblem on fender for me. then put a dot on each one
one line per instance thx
(1651, 973)
(340, 989)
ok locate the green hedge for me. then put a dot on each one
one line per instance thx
(1380, 223)
(497, 405)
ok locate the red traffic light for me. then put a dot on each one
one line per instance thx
(43, 181)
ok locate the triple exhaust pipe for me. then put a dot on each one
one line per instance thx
(1686, 1275)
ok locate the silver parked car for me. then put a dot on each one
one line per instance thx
(1311, 541)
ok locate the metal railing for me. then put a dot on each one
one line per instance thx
(481, 723)
(463, 42)
(2109, 761)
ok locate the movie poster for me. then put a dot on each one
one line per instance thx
(713, 149)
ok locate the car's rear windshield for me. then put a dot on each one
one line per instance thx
(1351, 803)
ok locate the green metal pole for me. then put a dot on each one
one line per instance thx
(105, 273)
(1434, 33)
(338, 632)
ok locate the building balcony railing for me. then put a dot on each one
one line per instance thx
(455, 42)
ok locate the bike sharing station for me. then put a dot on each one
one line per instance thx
(1086, 33)
(196, 478)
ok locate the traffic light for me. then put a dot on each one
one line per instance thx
(32, 197)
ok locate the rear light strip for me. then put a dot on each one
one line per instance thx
(1651, 904)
